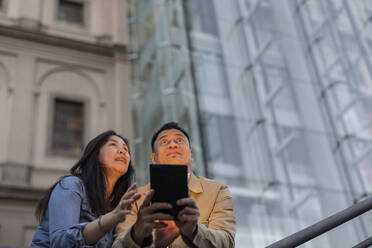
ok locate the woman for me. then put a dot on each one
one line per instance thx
(82, 210)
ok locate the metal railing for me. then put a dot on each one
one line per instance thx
(327, 224)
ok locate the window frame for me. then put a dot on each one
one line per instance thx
(50, 152)
(74, 26)
(4, 7)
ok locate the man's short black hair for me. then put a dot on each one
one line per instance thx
(166, 126)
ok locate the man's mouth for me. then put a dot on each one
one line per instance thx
(173, 153)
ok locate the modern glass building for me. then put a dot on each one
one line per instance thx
(277, 96)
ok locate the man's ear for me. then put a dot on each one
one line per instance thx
(152, 157)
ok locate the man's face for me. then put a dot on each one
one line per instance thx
(172, 147)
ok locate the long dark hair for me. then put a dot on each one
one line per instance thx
(90, 171)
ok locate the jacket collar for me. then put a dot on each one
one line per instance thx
(194, 184)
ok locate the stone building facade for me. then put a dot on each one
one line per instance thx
(63, 79)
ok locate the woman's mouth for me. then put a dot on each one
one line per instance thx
(123, 160)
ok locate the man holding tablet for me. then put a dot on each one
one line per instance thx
(205, 218)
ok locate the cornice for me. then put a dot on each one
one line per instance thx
(114, 51)
(16, 192)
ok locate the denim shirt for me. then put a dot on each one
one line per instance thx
(67, 214)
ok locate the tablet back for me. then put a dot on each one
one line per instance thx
(170, 184)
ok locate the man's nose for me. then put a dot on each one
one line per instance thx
(172, 144)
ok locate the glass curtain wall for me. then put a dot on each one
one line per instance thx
(337, 38)
(161, 86)
(277, 96)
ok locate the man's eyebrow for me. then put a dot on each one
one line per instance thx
(165, 135)
(180, 135)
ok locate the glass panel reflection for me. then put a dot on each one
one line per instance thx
(280, 92)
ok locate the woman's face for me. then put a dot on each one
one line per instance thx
(114, 155)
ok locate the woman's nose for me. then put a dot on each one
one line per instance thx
(121, 150)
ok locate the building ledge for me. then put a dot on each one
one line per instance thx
(20, 192)
(44, 38)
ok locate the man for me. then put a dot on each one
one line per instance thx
(207, 219)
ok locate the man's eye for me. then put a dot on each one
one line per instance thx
(164, 141)
(180, 140)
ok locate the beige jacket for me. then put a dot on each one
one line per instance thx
(216, 226)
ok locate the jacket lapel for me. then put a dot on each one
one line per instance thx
(195, 184)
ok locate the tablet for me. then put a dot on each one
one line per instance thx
(170, 185)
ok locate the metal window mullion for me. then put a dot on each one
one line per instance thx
(342, 112)
(272, 94)
(279, 138)
(353, 101)
(257, 59)
(347, 107)
(339, 44)
(182, 7)
(364, 51)
(252, 10)
(327, 110)
(285, 142)
(359, 159)
(258, 106)
(339, 151)
(355, 161)
(262, 49)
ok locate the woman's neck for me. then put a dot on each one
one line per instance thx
(111, 177)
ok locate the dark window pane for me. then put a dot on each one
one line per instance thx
(211, 74)
(71, 11)
(222, 139)
(203, 16)
(67, 138)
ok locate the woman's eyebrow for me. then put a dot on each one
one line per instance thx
(117, 142)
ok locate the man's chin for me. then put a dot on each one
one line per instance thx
(175, 162)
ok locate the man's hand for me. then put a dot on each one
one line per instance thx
(188, 217)
(166, 236)
(147, 220)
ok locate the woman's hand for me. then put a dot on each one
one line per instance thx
(93, 231)
(125, 205)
